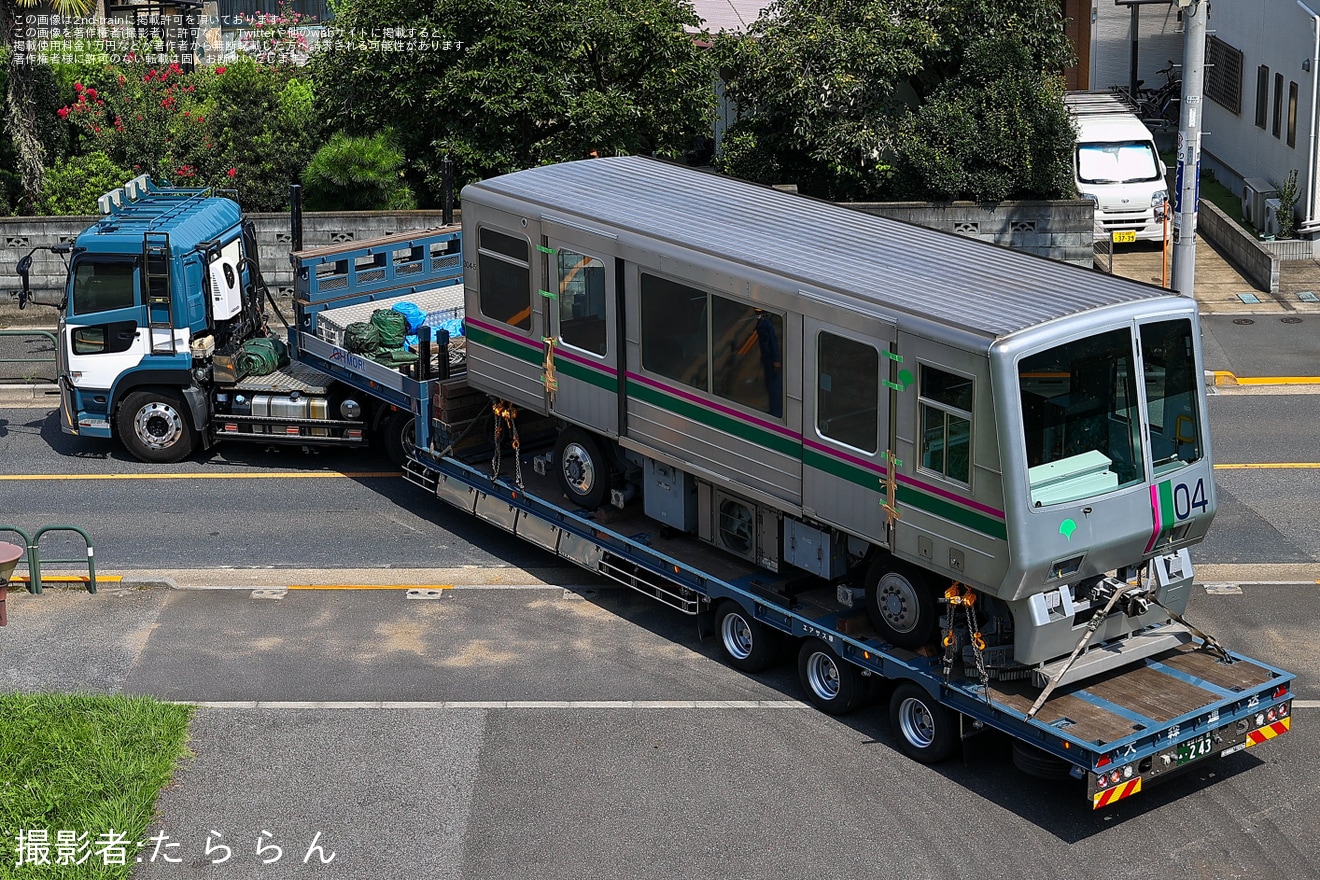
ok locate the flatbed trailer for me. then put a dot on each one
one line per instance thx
(1120, 730)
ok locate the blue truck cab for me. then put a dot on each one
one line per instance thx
(163, 303)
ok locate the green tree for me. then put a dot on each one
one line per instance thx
(73, 185)
(357, 174)
(507, 84)
(873, 99)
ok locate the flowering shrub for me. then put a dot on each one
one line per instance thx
(242, 126)
(276, 38)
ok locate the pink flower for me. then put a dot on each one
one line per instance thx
(91, 93)
(219, 71)
(77, 87)
(232, 172)
(64, 112)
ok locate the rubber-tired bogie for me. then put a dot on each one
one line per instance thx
(583, 470)
(900, 602)
(398, 435)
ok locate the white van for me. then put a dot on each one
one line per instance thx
(1117, 166)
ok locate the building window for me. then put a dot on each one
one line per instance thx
(1223, 75)
(1262, 95)
(1277, 125)
(1292, 114)
(848, 392)
(505, 285)
(946, 424)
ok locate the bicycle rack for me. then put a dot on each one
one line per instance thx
(34, 561)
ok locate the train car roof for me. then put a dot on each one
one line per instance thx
(897, 267)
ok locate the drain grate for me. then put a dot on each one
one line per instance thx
(1291, 320)
(1248, 297)
(1308, 296)
(1243, 321)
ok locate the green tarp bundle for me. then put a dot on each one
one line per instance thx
(392, 326)
(380, 339)
(261, 356)
(361, 337)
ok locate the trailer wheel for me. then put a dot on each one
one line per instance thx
(155, 426)
(748, 643)
(399, 436)
(900, 603)
(833, 685)
(927, 732)
(1039, 763)
(583, 470)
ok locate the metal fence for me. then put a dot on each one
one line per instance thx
(27, 356)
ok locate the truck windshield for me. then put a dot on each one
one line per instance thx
(103, 285)
(1117, 162)
(1081, 418)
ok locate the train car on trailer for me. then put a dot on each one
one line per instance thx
(906, 413)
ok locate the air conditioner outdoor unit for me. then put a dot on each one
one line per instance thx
(1272, 209)
(1255, 190)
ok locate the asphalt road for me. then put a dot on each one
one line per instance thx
(537, 731)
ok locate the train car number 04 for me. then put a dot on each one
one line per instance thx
(1187, 498)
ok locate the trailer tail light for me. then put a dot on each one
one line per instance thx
(1281, 692)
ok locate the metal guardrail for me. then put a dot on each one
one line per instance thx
(45, 360)
(33, 559)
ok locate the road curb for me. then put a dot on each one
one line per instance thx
(21, 395)
(1228, 379)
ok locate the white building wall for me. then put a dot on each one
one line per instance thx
(1280, 35)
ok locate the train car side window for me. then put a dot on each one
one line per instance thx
(848, 391)
(747, 355)
(581, 301)
(505, 286)
(946, 424)
(675, 331)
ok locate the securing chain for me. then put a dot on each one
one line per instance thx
(960, 595)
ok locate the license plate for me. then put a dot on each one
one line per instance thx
(1125, 237)
(1195, 748)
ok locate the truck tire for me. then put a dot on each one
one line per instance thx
(900, 603)
(1039, 763)
(155, 426)
(748, 643)
(832, 685)
(399, 435)
(583, 470)
(927, 732)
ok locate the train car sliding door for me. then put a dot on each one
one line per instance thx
(845, 430)
(582, 301)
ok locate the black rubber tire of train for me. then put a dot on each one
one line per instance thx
(597, 464)
(924, 628)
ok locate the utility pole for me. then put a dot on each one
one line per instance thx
(1195, 13)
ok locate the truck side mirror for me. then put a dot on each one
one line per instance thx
(24, 268)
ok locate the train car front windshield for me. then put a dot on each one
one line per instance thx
(1083, 411)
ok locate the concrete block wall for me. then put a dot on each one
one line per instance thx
(18, 235)
(1256, 262)
(1060, 230)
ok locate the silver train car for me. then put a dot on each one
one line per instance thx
(898, 410)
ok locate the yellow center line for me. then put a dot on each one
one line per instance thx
(233, 475)
(1268, 465)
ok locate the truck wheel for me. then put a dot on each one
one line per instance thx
(1039, 763)
(927, 732)
(900, 602)
(583, 471)
(155, 426)
(833, 685)
(399, 436)
(748, 643)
